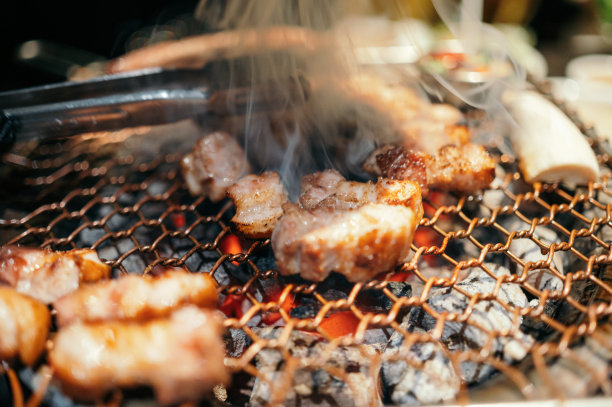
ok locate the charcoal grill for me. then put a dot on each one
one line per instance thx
(102, 191)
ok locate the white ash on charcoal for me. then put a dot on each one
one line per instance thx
(417, 285)
(579, 378)
(236, 342)
(583, 370)
(528, 251)
(420, 374)
(316, 386)
(603, 231)
(535, 326)
(490, 315)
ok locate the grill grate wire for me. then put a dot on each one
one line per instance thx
(91, 192)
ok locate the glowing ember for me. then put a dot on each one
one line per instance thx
(340, 324)
(426, 237)
(288, 303)
(178, 220)
(232, 306)
(400, 277)
(231, 245)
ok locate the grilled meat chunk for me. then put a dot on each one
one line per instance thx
(259, 200)
(328, 189)
(47, 275)
(318, 186)
(135, 297)
(215, 163)
(358, 243)
(180, 356)
(466, 169)
(24, 325)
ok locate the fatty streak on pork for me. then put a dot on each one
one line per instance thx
(180, 356)
(258, 200)
(135, 297)
(24, 325)
(356, 229)
(466, 168)
(215, 163)
(47, 275)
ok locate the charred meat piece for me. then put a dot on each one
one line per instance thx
(259, 200)
(216, 162)
(180, 356)
(24, 325)
(466, 169)
(47, 275)
(358, 243)
(135, 297)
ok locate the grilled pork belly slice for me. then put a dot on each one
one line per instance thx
(318, 186)
(135, 297)
(24, 325)
(358, 243)
(328, 189)
(357, 229)
(215, 163)
(47, 275)
(466, 168)
(259, 200)
(180, 356)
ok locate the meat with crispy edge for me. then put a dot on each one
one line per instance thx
(47, 275)
(215, 163)
(357, 229)
(259, 200)
(180, 356)
(359, 243)
(24, 326)
(133, 297)
(318, 186)
(466, 168)
(330, 189)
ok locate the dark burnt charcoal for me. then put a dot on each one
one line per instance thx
(236, 342)
(537, 328)
(420, 374)
(335, 281)
(316, 387)
(307, 308)
(376, 300)
(487, 314)
(334, 295)
(265, 259)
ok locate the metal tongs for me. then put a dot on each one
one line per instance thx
(148, 97)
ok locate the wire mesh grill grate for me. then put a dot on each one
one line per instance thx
(509, 288)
